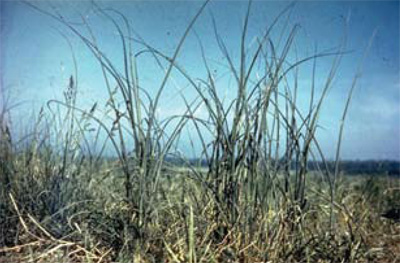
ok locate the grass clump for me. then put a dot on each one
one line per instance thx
(254, 199)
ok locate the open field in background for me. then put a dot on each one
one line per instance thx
(260, 191)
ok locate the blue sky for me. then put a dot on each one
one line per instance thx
(36, 61)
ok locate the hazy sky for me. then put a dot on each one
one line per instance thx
(36, 60)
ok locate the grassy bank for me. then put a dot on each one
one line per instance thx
(253, 198)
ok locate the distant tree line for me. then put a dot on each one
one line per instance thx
(357, 167)
(369, 167)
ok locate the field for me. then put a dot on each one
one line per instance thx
(85, 218)
(260, 189)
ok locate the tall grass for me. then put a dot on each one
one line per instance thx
(255, 201)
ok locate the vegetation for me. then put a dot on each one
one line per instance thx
(253, 197)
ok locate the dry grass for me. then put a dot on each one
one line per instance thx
(253, 202)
